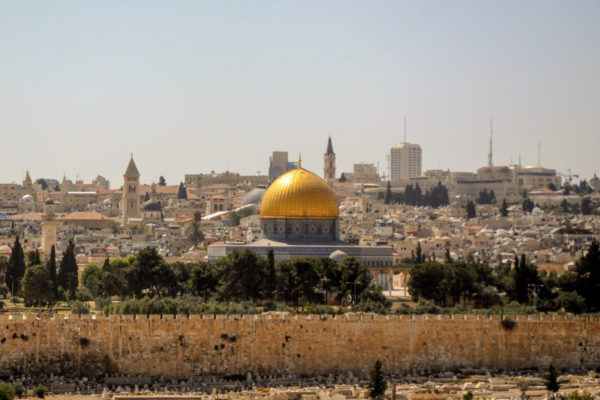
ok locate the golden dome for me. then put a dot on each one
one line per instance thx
(299, 194)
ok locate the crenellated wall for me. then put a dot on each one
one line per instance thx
(278, 343)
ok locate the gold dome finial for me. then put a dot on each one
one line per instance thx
(299, 160)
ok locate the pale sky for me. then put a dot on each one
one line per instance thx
(195, 86)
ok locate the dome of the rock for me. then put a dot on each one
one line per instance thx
(299, 194)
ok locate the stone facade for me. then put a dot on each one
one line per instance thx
(280, 344)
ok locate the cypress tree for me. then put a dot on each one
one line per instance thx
(16, 268)
(419, 258)
(68, 277)
(388, 194)
(182, 194)
(551, 379)
(504, 208)
(377, 381)
(52, 275)
(34, 258)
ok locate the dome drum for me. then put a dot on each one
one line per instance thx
(304, 230)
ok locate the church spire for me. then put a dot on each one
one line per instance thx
(329, 147)
(132, 168)
(329, 162)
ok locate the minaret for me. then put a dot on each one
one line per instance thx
(49, 227)
(329, 162)
(131, 197)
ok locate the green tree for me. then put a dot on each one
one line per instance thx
(388, 193)
(586, 205)
(162, 181)
(504, 208)
(527, 205)
(149, 272)
(243, 277)
(419, 258)
(525, 278)
(471, 212)
(205, 278)
(33, 258)
(588, 277)
(36, 286)
(183, 275)
(52, 274)
(271, 275)
(377, 381)
(426, 282)
(355, 278)
(92, 279)
(68, 275)
(194, 230)
(297, 281)
(564, 205)
(182, 193)
(114, 278)
(551, 379)
(16, 268)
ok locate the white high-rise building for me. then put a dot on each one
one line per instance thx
(405, 161)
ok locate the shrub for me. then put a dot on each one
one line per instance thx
(403, 309)
(577, 396)
(77, 307)
(571, 302)
(318, 309)
(3, 290)
(1, 304)
(369, 305)
(102, 303)
(6, 391)
(40, 391)
(428, 307)
(83, 295)
(508, 323)
(467, 396)
(19, 389)
(277, 306)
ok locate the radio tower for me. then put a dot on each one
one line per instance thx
(490, 164)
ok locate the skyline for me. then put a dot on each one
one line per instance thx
(194, 87)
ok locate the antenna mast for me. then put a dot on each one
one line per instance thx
(490, 164)
(404, 128)
(539, 154)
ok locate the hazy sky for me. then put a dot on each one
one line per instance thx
(191, 87)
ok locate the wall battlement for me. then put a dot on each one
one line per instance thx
(278, 343)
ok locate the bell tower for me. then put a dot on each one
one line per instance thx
(329, 162)
(130, 202)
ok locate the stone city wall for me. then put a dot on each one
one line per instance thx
(280, 344)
